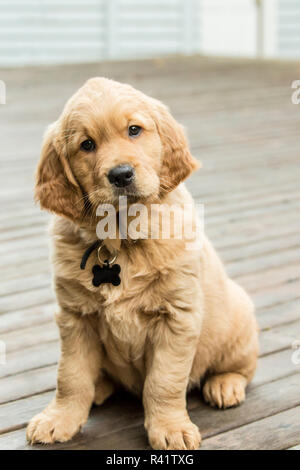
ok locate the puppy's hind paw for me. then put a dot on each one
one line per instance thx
(225, 390)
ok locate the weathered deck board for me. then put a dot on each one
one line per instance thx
(243, 127)
(278, 432)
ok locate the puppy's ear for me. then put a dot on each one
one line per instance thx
(56, 188)
(177, 162)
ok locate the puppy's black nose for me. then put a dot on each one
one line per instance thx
(121, 176)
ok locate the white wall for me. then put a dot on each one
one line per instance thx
(68, 31)
(269, 12)
(229, 27)
(265, 28)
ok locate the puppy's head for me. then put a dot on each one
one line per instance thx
(110, 141)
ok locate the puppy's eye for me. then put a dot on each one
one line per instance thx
(88, 145)
(134, 131)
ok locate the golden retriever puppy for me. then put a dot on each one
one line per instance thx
(171, 318)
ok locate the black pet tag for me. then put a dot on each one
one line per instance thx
(109, 273)
(106, 274)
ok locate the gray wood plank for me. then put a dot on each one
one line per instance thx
(27, 317)
(30, 298)
(16, 414)
(273, 433)
(279, 338)
(280, 314)
(28, 383)
(22, 284)
(27, 359)
(274, 367)
(275, 276)
(21, 339)
(263, 262)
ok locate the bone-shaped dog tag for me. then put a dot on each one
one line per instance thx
(106, 274)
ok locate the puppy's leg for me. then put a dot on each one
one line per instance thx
(235, 368)
(78, 370)
(104, 389)
(164, 396)
(227, 389)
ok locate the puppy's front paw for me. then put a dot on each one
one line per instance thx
(181, 436)
(225, 390)
(52, 425)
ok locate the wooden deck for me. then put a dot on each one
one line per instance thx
(244, 128)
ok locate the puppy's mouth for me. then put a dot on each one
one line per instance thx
(102, 196)
(130, 192)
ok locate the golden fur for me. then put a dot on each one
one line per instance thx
(176, 318)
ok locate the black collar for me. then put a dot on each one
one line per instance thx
(88, 252)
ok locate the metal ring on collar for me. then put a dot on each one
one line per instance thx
(106, 261)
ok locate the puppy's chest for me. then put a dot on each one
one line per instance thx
(124, 341)
(127, 316)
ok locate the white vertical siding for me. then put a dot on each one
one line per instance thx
(51, 31)
(62, 31)
(288, 24)
(156, 27)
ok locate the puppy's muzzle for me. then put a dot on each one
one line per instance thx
(121, 176)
